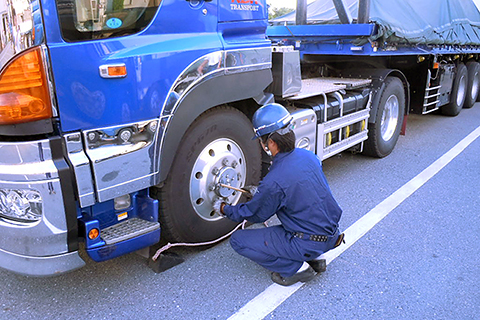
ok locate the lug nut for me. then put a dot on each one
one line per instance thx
(234, 164)
(225, 162)
(215, 171)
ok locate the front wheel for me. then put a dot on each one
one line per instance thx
(216, 149)
(384, 133)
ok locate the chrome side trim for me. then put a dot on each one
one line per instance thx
(213, 65)
(209, 65)
(124, 158)
(245, 60)
(48, 70)
(81, 168)
(40, 266)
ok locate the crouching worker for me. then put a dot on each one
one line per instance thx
(295, 189)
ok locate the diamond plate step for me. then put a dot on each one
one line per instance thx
(128, 229)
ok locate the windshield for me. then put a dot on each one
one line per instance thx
(95, 19)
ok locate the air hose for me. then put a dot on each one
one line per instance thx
(183, 244)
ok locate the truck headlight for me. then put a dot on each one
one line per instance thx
(20, 204)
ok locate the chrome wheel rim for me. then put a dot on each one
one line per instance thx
(221, 162)
(390, 118)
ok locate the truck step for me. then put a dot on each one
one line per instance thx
(317, 86)
(325, 152)
(431, 99)
(128, 229)
(344, 144)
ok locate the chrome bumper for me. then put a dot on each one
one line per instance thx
(41, 247)
(40, 266)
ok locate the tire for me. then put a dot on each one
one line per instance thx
(218, 146)
(459, 92)
(473, 84)
(384, 133)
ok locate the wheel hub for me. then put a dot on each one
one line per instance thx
(227, 176)
(389, 118)
(220, 162)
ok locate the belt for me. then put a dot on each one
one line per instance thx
(313, 237)
(320, 238)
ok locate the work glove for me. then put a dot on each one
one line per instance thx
(217, 205)
(252, 190)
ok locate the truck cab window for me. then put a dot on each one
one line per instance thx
(96, 19)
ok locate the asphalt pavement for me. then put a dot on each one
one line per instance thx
(419, 262)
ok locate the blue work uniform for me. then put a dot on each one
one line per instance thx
(297, 191)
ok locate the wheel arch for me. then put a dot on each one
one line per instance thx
(378, 77)
(233, 89)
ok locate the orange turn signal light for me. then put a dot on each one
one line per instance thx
(117, 71)
(24, 94)
(93, 234)
(436, 65)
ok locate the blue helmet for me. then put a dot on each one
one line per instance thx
(270, 118)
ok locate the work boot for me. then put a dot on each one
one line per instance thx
(302, 276)
(319, 265)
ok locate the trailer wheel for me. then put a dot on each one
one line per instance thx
(384, 133)
(459, 92)
(217, 148)
(473, 85)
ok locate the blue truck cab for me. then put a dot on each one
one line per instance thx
(96, 99)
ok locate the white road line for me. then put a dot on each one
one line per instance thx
(267, 301)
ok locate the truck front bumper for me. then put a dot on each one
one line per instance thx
(40, 266)
(46, 244)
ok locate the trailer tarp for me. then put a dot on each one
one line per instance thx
(451, 22)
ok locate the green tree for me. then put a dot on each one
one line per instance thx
(117, 5)
(278, 12)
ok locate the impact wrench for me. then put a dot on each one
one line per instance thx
(241, 190)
